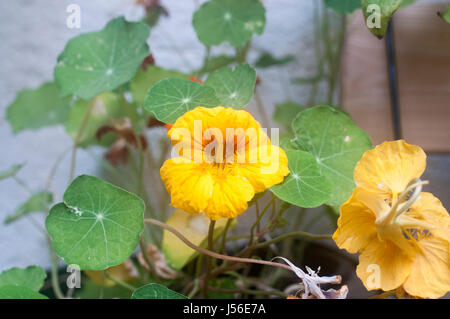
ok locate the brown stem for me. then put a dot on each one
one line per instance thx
(211, 253)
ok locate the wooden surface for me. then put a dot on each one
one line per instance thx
(422, 42)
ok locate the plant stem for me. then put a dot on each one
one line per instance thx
(120, 282)
(211, 253)
(290, 235)
(224, 235)
(208, 259)
(252, 229)
(54, 275)
(77, 140)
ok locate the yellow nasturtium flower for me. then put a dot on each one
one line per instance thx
(401, 233)
(224, 158)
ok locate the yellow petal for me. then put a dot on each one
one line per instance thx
(382, 265)
(356, 223)
(430, 269)
(430, 210)
(268, 170)
(389, 167)
(229, 197)
(189, 184)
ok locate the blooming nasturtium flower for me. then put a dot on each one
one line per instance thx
(401, 233)
(225, 158)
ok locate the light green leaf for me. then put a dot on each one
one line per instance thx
(234, 86)
(96, 62)
(11, 172)
(31, 277)
(286, 112)
(336, 143)
(216, 62)
(377, 14)
(36, 203)
(156, 291)
(19, 292)
(102, 108)
(98, 224)
(446, 15)
(305, 186)
(144, 80)
(233, 21)
(169, 99)
(343, 6)
(266, 60)
(33, 109)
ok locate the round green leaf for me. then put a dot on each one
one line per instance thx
(98, 224)
(233, 21)
(33, 109)
(144, 80)
(336, 143)
(234, 87)
(305, 186)
(102, 108)
(19, 292)
(343, 6)
(96, 62)
(156, 291)
(170, 98)
(31, 277)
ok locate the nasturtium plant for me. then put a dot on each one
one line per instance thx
(34, 109)
(234, 87)
(156, 291)
(11, 172)
(97, 225)
(233, 21)
(146, 79)
(19, 292)
(305, 186)
(86, 117)
(38, 202)
(31, 277)
(109, 91)
(96, 62)
(379, 12)
(343, 6)
(336, 143)
(170, 98)
(267, 60)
